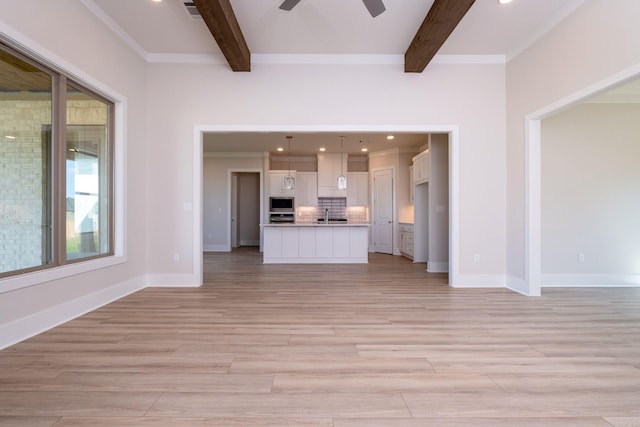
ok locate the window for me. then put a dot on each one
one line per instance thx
(56, 168)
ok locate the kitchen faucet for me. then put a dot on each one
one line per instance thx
(326, 215)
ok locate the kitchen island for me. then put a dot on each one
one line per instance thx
(316, 243)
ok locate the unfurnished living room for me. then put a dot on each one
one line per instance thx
(319, 212)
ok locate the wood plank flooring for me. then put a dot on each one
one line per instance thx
(383, 344)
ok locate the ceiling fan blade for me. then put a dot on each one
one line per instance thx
(375, 7)
(289, 4)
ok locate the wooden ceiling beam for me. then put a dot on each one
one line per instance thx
(223, 25)
(442, 19)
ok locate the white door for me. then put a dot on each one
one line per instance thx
(383, 211)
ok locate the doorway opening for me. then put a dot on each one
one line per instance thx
(245, 209)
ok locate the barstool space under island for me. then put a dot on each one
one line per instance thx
(316, 243)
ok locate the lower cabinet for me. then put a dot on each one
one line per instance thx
(315, 244)
(406, 240)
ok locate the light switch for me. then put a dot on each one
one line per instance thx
(187, 206)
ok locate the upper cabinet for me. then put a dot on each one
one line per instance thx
(357, 189)
(421, 167)
(276, 184)
(306, 189)
(330, 167)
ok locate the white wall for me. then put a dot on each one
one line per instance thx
(100, 59)
(591, 194)
(471, 97)
(598, 41)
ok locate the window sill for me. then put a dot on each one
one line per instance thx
(13, 283)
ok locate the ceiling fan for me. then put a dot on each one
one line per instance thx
(375, 7)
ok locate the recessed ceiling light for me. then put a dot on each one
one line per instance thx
(156, 1)
(10, 137)
(390, 136)
(364, 149)
(280, 149)
(504, 1)
(323, 149)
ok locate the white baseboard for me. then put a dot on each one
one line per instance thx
(518, 285)
(480, 281)
(437, 267)
(34, 324)
(216, 248)
(173, 280)
(590, 280)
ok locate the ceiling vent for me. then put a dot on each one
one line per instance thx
(192, 10)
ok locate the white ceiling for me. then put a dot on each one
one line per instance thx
(335, 26)
(319, 27)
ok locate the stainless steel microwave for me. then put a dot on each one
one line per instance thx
(281, 204)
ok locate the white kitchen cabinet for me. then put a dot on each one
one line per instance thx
(276, 184)
(357, 189)
(330, 167)
(406, 240)
(306, 193)
(421, 167)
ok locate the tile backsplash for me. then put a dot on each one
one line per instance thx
(337, 207)
(337, 210)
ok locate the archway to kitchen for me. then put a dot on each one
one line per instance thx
(450, 131)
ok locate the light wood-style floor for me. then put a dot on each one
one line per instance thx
(384, 344)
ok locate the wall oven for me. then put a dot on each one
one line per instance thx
(282, 210)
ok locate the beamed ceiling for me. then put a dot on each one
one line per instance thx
(441, 20)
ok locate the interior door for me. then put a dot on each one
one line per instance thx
(383, 211)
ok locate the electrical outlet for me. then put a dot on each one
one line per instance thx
(580, 257)
(176, 257)
(476, 258)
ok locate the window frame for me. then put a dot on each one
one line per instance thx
(57, 266)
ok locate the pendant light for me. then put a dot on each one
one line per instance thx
(289, 182)
(342, 180)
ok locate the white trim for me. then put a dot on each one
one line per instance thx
(469, 59)
(173, 280)
(480, 281)
(454, 207)
(590, 280)
(437, 266)
(115, 28)
(197, 217)
(318, 59)
(517, 284)
(533, 165)
(186, 58)
(36, 323)
(216, 248)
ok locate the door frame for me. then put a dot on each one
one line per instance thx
(230, 172)
(454, 177)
